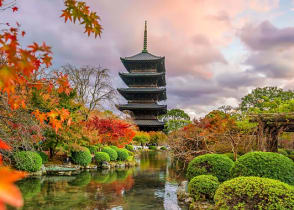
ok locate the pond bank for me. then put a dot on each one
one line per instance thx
(150, 185)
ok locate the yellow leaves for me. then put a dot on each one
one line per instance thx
(9, 193)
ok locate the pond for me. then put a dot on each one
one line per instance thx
(150, 185)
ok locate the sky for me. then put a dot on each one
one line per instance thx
(216, 51)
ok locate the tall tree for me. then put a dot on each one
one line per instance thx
(265, 99)
(175, 119)
(92, 84)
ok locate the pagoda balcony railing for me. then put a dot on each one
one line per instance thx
(141, 101)
(142, 70)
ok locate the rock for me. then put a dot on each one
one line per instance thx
(105, 165)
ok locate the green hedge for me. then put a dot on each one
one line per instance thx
(28, 161)
(93, 149)
(130, 147)
(231, 156)
(254, 193)
(114, 147)
(265, 164)
(111, 152)
(203, 187)
(44, 157)
(122, 154)
(101, 157)
(214, 164)
(82, 157)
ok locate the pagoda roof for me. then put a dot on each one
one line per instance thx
(143, 56)
(151, 123)
(137, 106)
(147, 77)
(142, 90)
(143, 74)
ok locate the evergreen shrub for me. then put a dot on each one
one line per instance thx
(153, 147)
(130, 147)
(28, 161)
(93, 149)
(265, 164)
(283, 152)
(111, 152)
(163, 148)
(122, 154)
(44, 157)
(101, 157)
(254, 193)
(203, 187)
(82, 157)
(231, 155)
(214, 164)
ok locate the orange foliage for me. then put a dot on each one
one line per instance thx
(111, 131)
(9, 193)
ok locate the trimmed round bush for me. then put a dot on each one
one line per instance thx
(44, 157)
(28, 161)
(231, 155)
(82, 157)
(283, 152)
(114, 147)
(93, 149)
(153, 147)
(122, 154)
(111, 152)
(203, 187)
(254, 193)
(101, 157)
(265, 164)
(130, 147)
(214, 164)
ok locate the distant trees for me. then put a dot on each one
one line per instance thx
(174, 119)
(92, 84)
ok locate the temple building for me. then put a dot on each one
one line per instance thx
(146, 87)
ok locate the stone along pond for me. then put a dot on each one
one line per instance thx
(150, 185)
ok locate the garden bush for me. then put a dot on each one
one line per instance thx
(111, 152)
(265, 164)
(282, 152)
(130, 147)
(153, 147)
(291, 157)
(213, 164)
(231, 155)
(93, 149)
(28, 161)
(163, 148)
(203, 187)
(44, 157)
(122, 154)
(114, 147)
(254, 193)
(101, 157)
(82, 157)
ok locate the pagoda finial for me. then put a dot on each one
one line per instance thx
(145, 39)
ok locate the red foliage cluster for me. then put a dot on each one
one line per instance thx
(112, 131)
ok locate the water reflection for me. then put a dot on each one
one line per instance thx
(151, 185)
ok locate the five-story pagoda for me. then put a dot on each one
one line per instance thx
(146, 87)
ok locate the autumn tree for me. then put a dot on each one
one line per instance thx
(92, 85)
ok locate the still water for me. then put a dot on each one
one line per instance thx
(151, 185)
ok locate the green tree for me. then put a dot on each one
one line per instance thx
(265, 99)
(175, 119)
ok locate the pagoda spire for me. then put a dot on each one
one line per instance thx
(145, 39)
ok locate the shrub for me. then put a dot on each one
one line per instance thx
(28, 161)
(254, 193)
(282, 152)
(114, 147)
(214, 164)
(129, 147)
(93, 149)
(101, 157)
(82, 157)
(291, 157)
(163, 148)
(122, 154)
(130, 153)
(153, 147)
(231, 156)
(44, 156)
(203, 187)
(111, 152)
(265, 164)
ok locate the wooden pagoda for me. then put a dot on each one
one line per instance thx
(146, 87)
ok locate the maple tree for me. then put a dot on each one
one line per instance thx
(112, 131)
